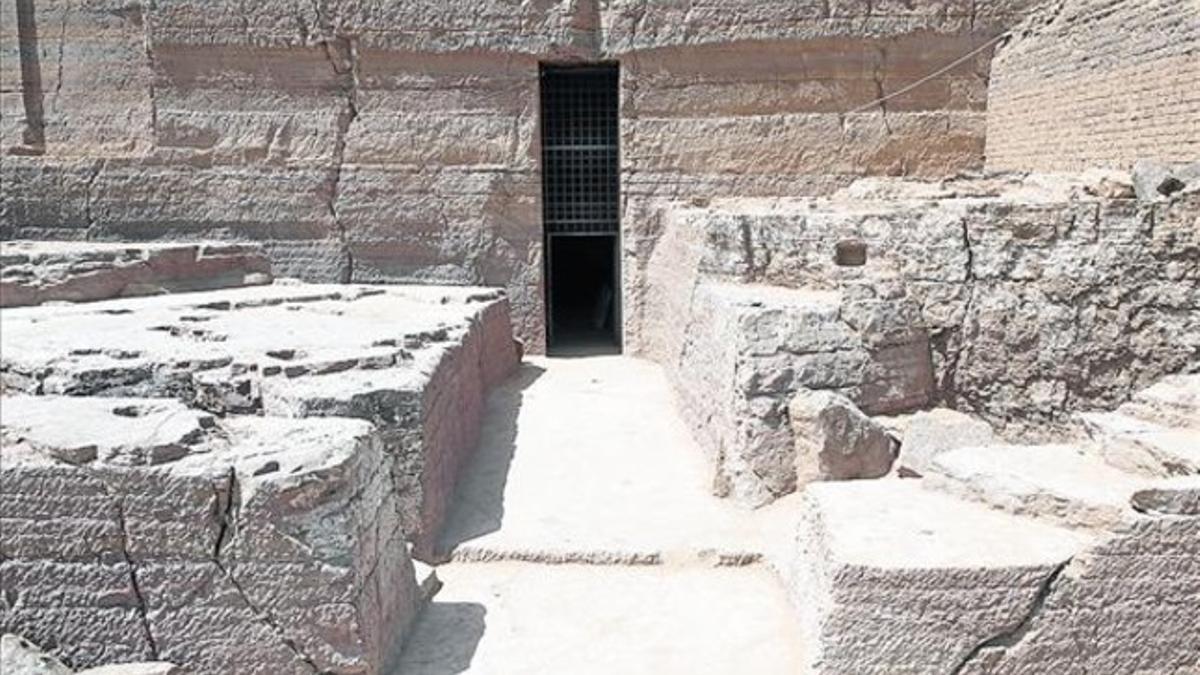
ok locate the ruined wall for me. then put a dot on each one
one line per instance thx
(399, 141)
(1038, 300)
(1097, 83)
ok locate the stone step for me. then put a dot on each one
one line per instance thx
(887, 572)
(1067, 484)
(1146, 448)
(1172, 401)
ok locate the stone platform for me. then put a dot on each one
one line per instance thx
(415, 361)
(237, 480)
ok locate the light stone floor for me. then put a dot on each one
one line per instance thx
(585, 461)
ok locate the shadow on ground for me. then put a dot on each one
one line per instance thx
(478, 506)
(444, 639)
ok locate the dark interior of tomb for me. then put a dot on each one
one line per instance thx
(583, 295)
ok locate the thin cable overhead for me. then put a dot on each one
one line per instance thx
(941, 71)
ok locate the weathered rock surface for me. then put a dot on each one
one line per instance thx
(18, 656)
(835, 440)
(928, 434)
(1037, 297)
(1147, 448)
(891, 577)
(898, 576)
(257, 545)
(1096, 83)
(1126, 604)
(747, 349)
(398, 141)
(416, 362)
(38, 272)
(1064, 483)
(1175, 496)
(1174, 401)
(1156, 181)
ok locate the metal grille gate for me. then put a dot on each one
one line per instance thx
(581, 203)
(579, 149)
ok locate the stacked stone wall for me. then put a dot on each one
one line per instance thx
(1089, 83)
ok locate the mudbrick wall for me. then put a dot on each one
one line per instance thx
(1097, 83)
(399, 141)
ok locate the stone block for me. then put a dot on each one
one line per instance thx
(264, 544)
(417, 362)
(38, 272)
(835, 440)
(928, 434)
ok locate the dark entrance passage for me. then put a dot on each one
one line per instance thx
(581, 206)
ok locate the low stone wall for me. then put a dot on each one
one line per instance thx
(1017, 299)
(145, 530)
(416, 362)
(36, 272)
(1038, 297)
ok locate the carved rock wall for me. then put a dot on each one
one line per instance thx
(398, 141)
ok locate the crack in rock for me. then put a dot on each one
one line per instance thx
(1013, 636)
(142, 609)
(227, 516)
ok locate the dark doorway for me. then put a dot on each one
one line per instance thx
(581, 206)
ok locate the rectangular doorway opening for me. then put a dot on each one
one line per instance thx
(581, 207)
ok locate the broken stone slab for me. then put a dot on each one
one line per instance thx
(1157, 181)
(835, 440)
(1108, 184)
(1174, 496)
(141, 668)
(1173, 401)
(1125, 604)
(1063, 483)
(886, 573)
(1142, 447)
(271, 543)
(36, 272)
(928, 434)
(415, 361)
(19, 656)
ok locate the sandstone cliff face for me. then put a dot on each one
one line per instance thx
(399, 141)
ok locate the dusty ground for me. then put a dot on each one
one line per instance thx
(625, 504)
